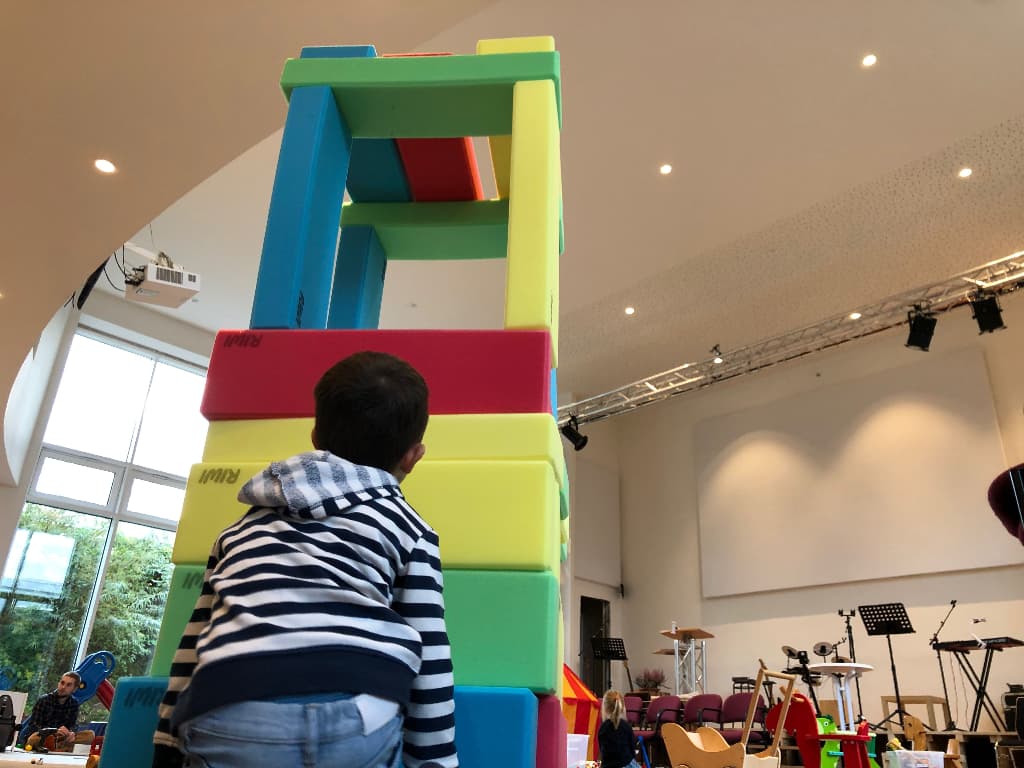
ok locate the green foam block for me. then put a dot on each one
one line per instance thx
(428, 231)
(425, 96)
(186, 584)
(503, 627)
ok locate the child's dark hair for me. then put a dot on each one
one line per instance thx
(370, 409)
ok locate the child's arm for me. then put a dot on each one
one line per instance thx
(430, 719)
(166, 752)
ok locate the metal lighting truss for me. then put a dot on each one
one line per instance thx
(995, 278)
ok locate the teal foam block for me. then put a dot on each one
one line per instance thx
(554, 393)
(496, 727)
(503, 627)
(128, 742)
(358, 280)
(293, 285)
(186, 584)
(375, 173)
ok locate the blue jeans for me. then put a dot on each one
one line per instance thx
(290, 735)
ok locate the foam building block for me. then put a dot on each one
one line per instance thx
(434, 231)
(551, 733)
(511, 616)
(488, 514)
(503, 628)
(128, 741)
(441, 169)
(531, 283)
(293, 283)
(186, 583)
(358, 280)
(490, 437)
(424, 97)
(496, 727)
(271, 374)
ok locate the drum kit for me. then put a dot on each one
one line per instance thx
(823, 649)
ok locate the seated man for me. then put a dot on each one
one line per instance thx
(57, 709)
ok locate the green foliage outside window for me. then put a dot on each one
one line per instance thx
(40, 628)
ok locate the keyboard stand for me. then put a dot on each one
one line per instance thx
(980, 683)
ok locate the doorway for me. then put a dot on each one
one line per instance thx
(594, 622)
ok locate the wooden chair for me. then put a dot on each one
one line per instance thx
(706, 748)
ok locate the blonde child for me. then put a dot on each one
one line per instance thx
(615, 736)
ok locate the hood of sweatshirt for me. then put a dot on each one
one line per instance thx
(316, 484)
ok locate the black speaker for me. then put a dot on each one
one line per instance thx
(7, 727)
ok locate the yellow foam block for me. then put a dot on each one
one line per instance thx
(532, 436)
(531, 283)
(563, 526)
(489, 514)
(516, 44)
(501, 146)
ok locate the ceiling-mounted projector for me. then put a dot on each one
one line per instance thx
(160, 282)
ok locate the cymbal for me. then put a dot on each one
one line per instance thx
(824, 648)
(791, 652)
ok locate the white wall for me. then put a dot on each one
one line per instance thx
(661, 556)
(594, 566)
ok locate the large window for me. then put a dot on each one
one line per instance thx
(89, 568)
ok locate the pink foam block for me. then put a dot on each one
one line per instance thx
(551, 733)
(270, 374)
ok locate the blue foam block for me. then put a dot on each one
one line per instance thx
(293, 286)
(495, 727)
(376, 173)
(128, 742)
(338, 52)
(554, 393)
(358, 280)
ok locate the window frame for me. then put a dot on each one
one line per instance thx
(125, 473)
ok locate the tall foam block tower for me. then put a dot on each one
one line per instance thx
(394, 132)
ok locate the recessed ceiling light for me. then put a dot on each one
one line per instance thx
(105, 166)
(869, 60)
(855, 315)
(665, 169)
(718, 361)
(964, 173)
(630, 310)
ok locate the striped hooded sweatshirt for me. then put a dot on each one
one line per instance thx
(330, 583)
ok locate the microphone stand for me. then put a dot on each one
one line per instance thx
(847, 615)
(951, 725)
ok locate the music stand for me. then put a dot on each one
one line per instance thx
(888, 619)
(612, 649)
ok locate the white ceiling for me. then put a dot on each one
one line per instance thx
(803, 184)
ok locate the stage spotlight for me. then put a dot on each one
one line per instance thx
(922, 326)
(986, 313)
(571, 432)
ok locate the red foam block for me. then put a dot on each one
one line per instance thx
(441, 170)
(270, 374)
(551, 733)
